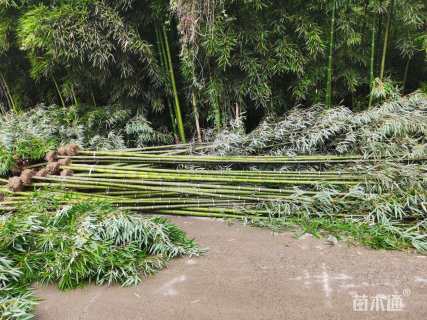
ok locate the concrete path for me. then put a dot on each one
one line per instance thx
(252, 273)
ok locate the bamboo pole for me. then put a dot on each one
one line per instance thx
(178, 114)
(372, 66)
(330, 58)
(386, 40)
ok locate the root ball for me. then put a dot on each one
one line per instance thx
(53, 168)
(15, 184)
(66, 173)
(62, 151)
(42, 173)
(27, 176)
(72, 149)
(51, 156)
(65, 161)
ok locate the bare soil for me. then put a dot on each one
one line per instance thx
(252, 273)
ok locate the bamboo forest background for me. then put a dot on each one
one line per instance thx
(179, 69)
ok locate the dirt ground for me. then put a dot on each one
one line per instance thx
(252, 273)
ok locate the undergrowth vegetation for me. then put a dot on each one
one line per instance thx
(28, 136)
(88, 241)
(396, 128)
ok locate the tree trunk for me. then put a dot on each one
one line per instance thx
(178, 114)
(9, 96)
(163, 63)
(386, 39)
(196, 116)
(330, 62)
(372, 65)
(59, 92)
(405, 74)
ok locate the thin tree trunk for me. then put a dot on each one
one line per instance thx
(178, 114)
(330, 59)
(59, 92)
(93, 98)
(196, 116)
(9, 96)
(405, 74)
(74, 96)
(372, 65)
(386, 40)
(217, 112)
(163, 62)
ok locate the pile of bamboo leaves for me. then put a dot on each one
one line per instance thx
(186, 180)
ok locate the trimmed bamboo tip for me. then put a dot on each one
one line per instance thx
(27, 176)
(51, 156)
(42, 173)
(64, 161)
(72, 149)
(53, 168)
(2, 196)
(15, 184)
(66, 173)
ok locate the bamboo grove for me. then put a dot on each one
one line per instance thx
(187, 66)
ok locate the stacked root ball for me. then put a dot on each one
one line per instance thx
(24, 177)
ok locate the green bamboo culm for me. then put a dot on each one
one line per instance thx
(386, 39)
(372, 66)
(9, 96)
(328, 101)
(59, 91)
(405, 74)
(196, 115)
(164, 64)
(178, 114)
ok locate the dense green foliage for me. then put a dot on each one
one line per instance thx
(396, 128)
(202, 63)
(87, 241)
(29, 135)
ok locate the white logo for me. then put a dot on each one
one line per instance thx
(378, 303)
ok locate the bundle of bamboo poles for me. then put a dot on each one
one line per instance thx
(163, 180)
